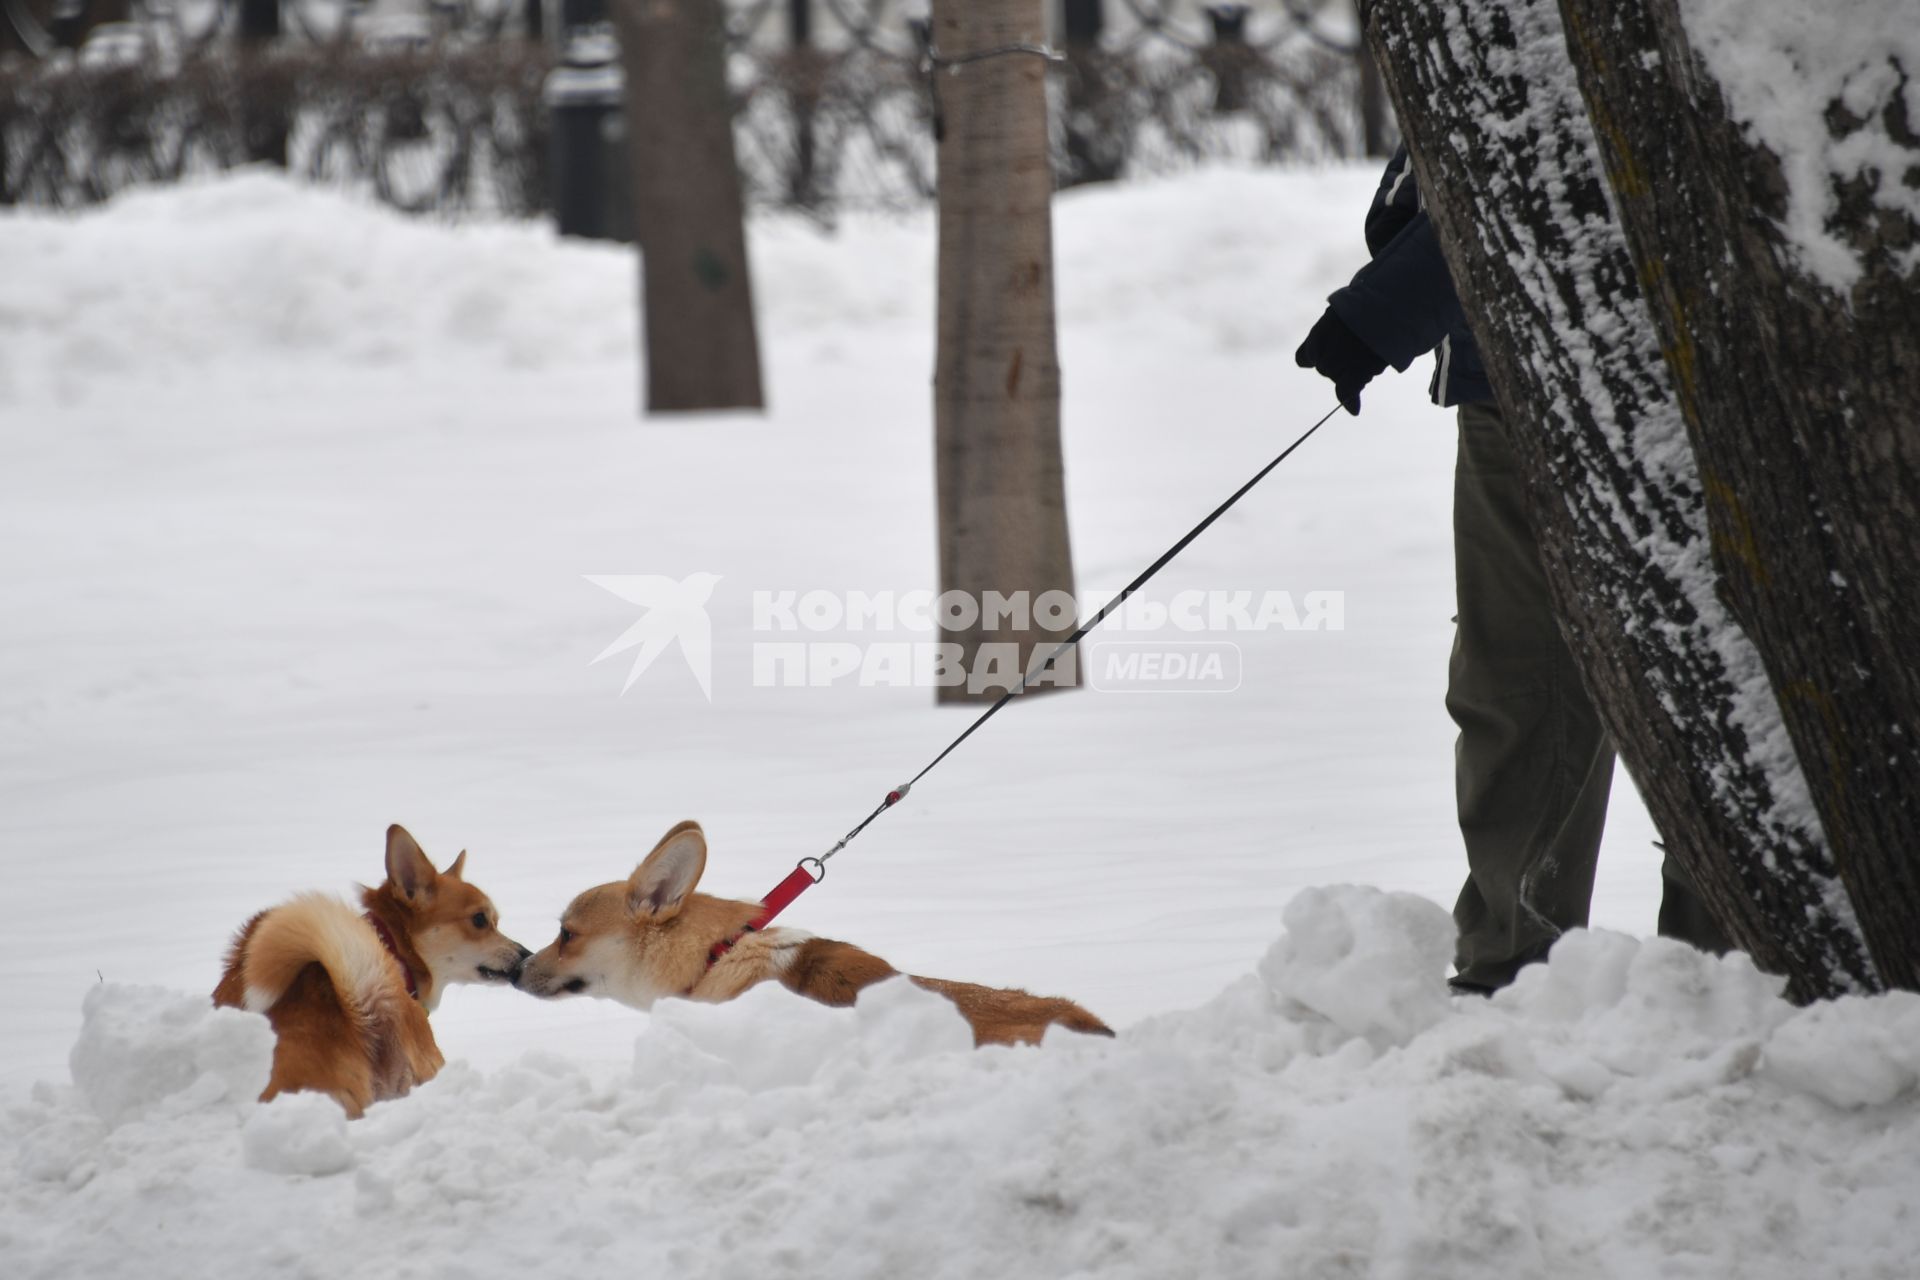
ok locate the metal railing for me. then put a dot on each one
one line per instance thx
(437, 106)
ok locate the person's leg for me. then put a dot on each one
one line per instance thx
(1533, 765)
(1684, 916)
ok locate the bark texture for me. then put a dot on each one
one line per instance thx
(1506, 157)
(1002, 489)
(702, 349)
(1802, 401)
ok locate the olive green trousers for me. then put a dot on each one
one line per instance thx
(1533, 765)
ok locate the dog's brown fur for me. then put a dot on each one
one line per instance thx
(650, 936)
(336, 996)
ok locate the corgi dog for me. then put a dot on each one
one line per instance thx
(651, 935)
(348, 991)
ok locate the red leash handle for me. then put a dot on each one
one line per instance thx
(798, 881)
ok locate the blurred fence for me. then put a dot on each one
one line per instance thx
(446, 129)
(440, 108)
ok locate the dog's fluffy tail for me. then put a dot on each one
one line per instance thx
(314, 928)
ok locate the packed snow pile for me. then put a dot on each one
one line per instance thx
(142, 1051)
(1631, 1109)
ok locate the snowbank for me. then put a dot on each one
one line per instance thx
(1628, 1110)
(181, 286)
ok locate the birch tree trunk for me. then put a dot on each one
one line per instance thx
(1794, 341)
(1507, 161)
(996, 387)
(702, 349)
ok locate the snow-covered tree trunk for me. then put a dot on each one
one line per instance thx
(702, 348)
(1487, 97)
(996, 382)
(1766, 169)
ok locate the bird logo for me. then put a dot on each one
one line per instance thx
(675, 613)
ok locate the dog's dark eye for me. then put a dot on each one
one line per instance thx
(479, 919)
(566, 935)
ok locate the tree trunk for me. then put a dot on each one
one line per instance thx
(1377, 134)
(266, 126)
(996, 387)
(1094, 129)
(1508, 165)
(702, 350)
(804, 74)
(1798, 371)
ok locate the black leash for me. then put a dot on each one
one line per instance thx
(899, 793)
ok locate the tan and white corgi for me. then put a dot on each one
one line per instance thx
(348, 991)
(651, 935)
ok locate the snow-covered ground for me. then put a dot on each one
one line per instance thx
(298, 501)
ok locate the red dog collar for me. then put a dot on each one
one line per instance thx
(393, 949)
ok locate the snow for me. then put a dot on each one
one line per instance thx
(298, 503)
(297, 1133)
(1631, 1109)
(142, 1048)
(1364, 961)
(1780, 63)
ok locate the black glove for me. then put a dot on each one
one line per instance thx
(1333, 350)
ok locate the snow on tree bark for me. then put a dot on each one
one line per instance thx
(1794, 342)
(1507, 162)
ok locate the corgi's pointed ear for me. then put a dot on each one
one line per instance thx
(407, 865)
(659, 886)
(459, 865)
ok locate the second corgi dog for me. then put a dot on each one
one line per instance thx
(651, 935)
(348, 991)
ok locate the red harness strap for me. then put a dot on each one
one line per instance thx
(798, 881)
(393, 949)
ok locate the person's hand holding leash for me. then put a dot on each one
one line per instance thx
(1336, 352)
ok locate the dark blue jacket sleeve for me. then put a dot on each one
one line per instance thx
(1402, 303)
